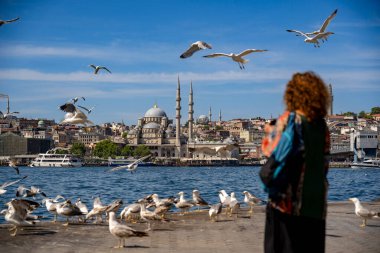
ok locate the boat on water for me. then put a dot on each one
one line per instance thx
(367, 163)
(51, 159)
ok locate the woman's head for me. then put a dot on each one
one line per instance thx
(308, 93)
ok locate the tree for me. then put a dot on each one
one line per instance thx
(61, 151)
(375, 110)
(127, 151)
(78, 149)
(106, 148)
(218, 128)
(349, 114)
(124, 135)
(141, 151)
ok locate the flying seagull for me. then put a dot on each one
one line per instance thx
(362, 212)
(74, 115)
(196, 46)
(12, 164)
(22, 191)
(122, 231)
(325, 24)
(86, 109)
(3, 22)
(97, 68)
(313, 40)
(17, 213)
(237, 57)
(5, 115)
(6, 184)
(132, 166)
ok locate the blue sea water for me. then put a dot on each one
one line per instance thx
(87, 182)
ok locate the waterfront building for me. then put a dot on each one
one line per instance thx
(12, 144)
(364, 143)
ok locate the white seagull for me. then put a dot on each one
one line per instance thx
(5, 115)
(225, 200)
(3, 22)
(147, 215)
(97, 68)
(68, 209)
(214, 211)
(74, 115)
(313, 40)
(237, 57)
(198, 200)
(234, 205)
(132, 166)
(325, 24)
(18, 212)
(12, 164)
(6, 184)
(183, 204)
(122, 231)
(196, 46)
(24, 192)
(97, 210)
(250, 200)
(362, 212)
(51, 205)
(131, 212)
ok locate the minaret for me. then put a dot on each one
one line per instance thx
(178, 120)
(209, 115)
(191, 113)
(331, 100)
(220, 115)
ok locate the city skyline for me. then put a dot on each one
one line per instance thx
(47, 52)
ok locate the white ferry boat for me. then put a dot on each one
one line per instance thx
(50, 159)
(367, 163)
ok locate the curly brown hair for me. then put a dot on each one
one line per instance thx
(308, 93)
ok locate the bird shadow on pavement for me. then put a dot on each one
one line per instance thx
(31, 232)
(375, 226)
(337, 236)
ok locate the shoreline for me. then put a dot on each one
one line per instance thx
(193, 232)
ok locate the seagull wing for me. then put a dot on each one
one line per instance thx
(6, 184)
(327, 21)
(190, 51)
(248, 51)
(84, 108)
(204, 45)
(298, 32)
(93, 66)
(216, 55)
(11, 20)
(106, 69)
(119, 168)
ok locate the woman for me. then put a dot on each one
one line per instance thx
(295, 175)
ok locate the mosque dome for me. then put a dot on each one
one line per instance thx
(155, 111)
(203, 119)
(151, 125)
(41, 124)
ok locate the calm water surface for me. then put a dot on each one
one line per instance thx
(87, 182)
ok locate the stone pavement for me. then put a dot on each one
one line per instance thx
(192, 232)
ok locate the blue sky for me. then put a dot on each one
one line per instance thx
(45, 55)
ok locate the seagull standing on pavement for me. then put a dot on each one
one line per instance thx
(196, 46)
(237, 57)
(214, 211)
(198, 200)
(97, 68)
(363, 212)
(250, 200)
(122, 231)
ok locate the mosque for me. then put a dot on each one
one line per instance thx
(165, 140)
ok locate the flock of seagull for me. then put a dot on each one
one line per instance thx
(149, 209)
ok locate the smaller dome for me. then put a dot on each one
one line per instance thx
(151, 125)
(41, 123)
(155, 111)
